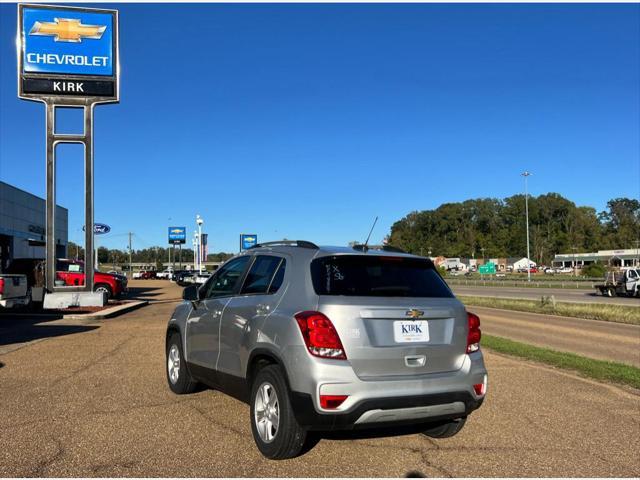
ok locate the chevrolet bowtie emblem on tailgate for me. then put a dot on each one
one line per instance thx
(413, 313)
(68, 30)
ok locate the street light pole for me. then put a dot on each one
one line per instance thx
(199, 221)
(526, 174)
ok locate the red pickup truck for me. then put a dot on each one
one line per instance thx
(71, 272)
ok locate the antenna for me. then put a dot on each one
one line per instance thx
(370, 232)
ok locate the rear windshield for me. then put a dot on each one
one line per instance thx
(377, 276)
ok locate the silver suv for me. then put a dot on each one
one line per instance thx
(329, 338)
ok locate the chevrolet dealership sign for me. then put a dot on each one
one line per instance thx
(68, 52)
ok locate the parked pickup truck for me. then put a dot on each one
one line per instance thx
(166, 274)
(71, 273)
(144, 275)
(623, 283)
(14, 291)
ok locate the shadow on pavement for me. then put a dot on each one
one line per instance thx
(153, 294)
(135, 292)
(21, 329)
(376, 432)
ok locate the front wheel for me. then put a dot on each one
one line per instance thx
(103, 288)
(275, 429)
(445, 429)
(178, 377)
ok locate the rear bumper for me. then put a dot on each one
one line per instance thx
(387, 400)
(380, 412)
(14, 302)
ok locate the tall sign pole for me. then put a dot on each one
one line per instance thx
(68, 57)
(526, 208)
(177, 236)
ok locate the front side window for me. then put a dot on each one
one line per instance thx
(262, 272)
(377, 276)
(226, 278)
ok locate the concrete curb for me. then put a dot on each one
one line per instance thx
(109, 312)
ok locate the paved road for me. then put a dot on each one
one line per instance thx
(95, 403)
(592, 338)
(561, 295)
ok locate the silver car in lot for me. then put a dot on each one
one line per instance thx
(317, 339)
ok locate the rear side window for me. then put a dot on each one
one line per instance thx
(377, 276)
(261, 275)
(276, 283)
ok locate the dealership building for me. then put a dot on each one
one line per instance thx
(23, 223)
(629, 257)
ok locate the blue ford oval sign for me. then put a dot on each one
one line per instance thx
(100, 228)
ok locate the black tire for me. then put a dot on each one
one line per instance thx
(610, 292)
(104, 288)
(289, 437)
(445, 429)
(184, 383)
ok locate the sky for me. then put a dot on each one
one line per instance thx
(307, 121)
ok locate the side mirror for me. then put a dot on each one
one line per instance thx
(190, 293)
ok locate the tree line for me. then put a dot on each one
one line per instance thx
(491, 227)
(151, 255)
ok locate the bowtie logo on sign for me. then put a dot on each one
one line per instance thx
(68, 30)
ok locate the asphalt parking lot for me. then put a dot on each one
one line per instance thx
(94, 402)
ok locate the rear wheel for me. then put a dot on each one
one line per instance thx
(275, 429)
(610, 292)
(445, 429)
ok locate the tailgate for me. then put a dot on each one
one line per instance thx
(387, 337)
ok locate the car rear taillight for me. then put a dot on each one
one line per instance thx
(320, 335)
(479, 388)
(474, 334)
(331, 402)
(1, 286)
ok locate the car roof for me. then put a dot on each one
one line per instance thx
(326, 250)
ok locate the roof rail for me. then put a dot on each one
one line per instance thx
(287, 243)
(384, 248)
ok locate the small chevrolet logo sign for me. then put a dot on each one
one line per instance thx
(68, 30)
(176, 230)
(413, 313)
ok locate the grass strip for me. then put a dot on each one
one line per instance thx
(593, 311)
(589, 367)
(519, 284)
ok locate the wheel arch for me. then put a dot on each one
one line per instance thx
(171, 329)
(259, 358)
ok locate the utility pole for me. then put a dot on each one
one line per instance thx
(130, 270)
(526, 174)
